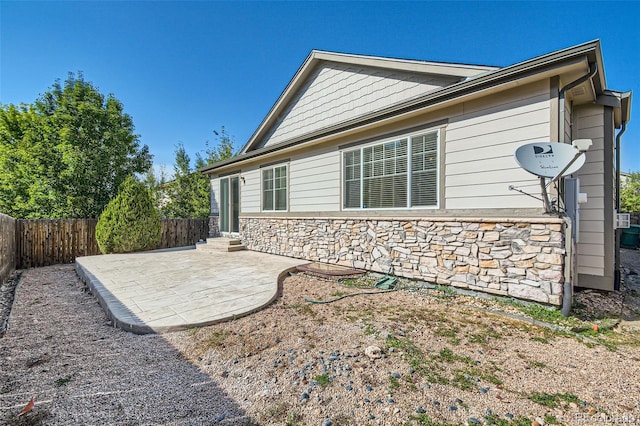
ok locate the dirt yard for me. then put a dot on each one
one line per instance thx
(415, 356)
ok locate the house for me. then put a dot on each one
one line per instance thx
(407, 167)
(624, 178)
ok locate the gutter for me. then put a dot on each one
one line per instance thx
(617, 274)
(618, 139)
(569, 274)
(593, 68)
(491, 79)
(625, 112)
(625, 109)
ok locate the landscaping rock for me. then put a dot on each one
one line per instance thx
(373, 352)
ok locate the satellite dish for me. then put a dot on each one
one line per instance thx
(547, 159)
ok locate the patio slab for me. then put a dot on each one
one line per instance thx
(164, 291)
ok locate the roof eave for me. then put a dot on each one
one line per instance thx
(626, 106)
(294, 83)
(590, 50)
(425, 67)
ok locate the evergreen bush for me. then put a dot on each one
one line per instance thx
(130, 221)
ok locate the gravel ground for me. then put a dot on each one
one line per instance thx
(437, 359)
(60, 350)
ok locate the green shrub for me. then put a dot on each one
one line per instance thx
(130, 222)
(630, 193)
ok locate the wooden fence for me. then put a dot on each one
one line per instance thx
(42, 242)
(183, 232)
(7, 246)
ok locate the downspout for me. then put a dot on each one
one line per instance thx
(618, 139)
(567, 293)
(593, 68)
(616, 281)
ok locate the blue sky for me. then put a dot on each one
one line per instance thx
(184, 69)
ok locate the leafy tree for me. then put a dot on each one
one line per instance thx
(66, 154)
(157, 186)
(29, 165)
(183, 191)
(630, 194)
(202, 189)
(223, 150)
(130, 222)
(188, 194)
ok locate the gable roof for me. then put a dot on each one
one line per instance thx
(472, 81)
(318, 58)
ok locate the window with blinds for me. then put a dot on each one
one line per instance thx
(424, 170)
(396, 174)
(352, 179)
(274, 188)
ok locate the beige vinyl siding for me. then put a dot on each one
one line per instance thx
(587, 270)
(592, 263)
(592, 230)
(589, 123)
(250, 191)
(480, 143)
(314, 182)
(338, 92)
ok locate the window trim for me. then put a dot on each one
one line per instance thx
(272, 167)
(388, 139)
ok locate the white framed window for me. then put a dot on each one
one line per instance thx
(399, 173)
(274, 188)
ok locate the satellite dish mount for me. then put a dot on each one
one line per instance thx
(551, 160)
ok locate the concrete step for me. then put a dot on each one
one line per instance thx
(221, 244)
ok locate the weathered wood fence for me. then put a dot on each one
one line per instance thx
(183, 232)
(7, 246)
(42, 242)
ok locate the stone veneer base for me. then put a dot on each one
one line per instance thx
(214, 230)
(522, 258)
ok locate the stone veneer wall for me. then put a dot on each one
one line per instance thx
(214, 231)
(522, 259)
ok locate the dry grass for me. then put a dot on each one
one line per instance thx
(443, 350)
(447, 359)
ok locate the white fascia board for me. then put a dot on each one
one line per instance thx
(600, 62)
(294, 83)
(425, 67)
(626, 105)
(621, 105)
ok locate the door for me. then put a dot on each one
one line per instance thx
(230, 204)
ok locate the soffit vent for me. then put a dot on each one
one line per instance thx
(578, 91)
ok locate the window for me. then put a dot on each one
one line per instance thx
(424, 170)
(274, 188)
(352, 179)
(400, 173)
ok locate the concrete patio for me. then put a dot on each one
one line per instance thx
(164, 291)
